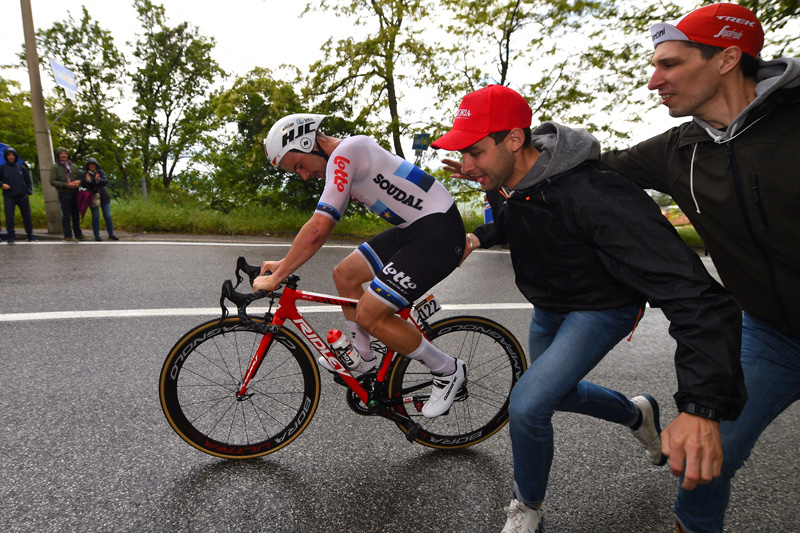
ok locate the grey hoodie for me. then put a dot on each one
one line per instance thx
(562, 148)
(782, 73)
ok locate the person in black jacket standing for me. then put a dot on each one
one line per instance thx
(94, 180)
(17, 187)
(589, 249)
(733, 170)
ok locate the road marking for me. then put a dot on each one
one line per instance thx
(215, 311)
(351, 246)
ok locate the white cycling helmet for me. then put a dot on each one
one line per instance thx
(292, 132)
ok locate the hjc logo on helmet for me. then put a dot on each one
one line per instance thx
(300, 130)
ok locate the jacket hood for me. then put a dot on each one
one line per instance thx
(10, 150)
(782, 73)
(561, 148)
(92, 160)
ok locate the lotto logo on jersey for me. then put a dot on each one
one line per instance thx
(340, 174)
(400, 278)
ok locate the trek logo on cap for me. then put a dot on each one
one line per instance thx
(751, 23)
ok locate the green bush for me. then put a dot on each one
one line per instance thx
(165, 212)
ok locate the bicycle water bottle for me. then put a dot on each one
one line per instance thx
(344, 349)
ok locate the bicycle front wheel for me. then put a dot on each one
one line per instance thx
(495, 362)
(203, 373)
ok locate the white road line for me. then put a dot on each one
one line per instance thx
(215, 311)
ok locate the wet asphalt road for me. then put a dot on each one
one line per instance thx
(86, 446)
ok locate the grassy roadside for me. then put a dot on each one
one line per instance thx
(163, 214)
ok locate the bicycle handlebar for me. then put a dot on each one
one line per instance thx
(252, 271)
(242, 300)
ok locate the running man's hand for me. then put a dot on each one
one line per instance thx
(694, 442)
(454, 168)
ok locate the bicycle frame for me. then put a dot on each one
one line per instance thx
(287, 310)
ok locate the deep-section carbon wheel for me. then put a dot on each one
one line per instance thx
(202, 375)
(495, 362)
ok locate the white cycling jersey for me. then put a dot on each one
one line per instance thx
(387, 184)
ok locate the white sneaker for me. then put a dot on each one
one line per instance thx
(649, 433)
(443, 391)
(523, 519)
(363, 366)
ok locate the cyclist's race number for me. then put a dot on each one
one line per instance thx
(427, 307)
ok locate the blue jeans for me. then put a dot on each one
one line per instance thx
(771, 364)
(563, 348)
(106, 216)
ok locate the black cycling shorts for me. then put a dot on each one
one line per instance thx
(407, 262)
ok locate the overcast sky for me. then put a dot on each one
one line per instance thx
(248, 33)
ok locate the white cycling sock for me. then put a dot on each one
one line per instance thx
(436, 360)
(361, 340)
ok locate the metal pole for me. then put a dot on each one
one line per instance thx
(44, 145)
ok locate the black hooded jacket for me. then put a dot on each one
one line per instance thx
(16, 176)
(741, 190)
(582, 239)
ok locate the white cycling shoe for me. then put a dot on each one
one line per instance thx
(443, 391)
(363, 366)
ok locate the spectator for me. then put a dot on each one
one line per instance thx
(65, 177)
(94, 180)
(17, 187)
(733, 170)
(588, 249)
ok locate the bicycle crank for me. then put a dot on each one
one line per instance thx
(368, 382)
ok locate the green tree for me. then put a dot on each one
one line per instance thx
(90, 127)
(236, 170)
(781, 22)
(16, 120)
(366, 75)
(171, 82)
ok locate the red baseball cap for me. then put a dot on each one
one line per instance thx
(720, 25)
(493, 108)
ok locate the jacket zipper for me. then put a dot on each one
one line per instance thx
(757, 198)
(773, 282)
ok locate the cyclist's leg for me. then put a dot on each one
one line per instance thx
(349, 277)
(380, 320)
(407, 262)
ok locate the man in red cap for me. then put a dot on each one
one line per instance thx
(589, 249)
(733, 170)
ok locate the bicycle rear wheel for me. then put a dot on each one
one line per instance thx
(201, 377)
(495, 363)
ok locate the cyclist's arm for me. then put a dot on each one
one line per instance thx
(311, 237)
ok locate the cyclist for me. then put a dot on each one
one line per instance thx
(425, 245)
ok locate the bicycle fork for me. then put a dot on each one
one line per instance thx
(255, 363)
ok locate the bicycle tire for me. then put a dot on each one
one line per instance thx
(202, 374)
(495, 362)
